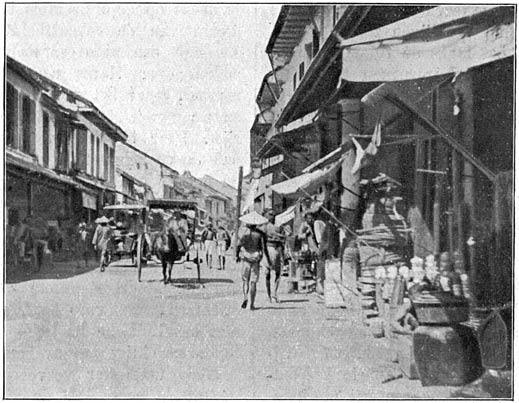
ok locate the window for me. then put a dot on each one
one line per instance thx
(45, 139)
(334, 15)
(98, 174)
(92, 154)
(315, 42)
(295, 81)
(138, 166)
(112, 165)
(28, 124)
(106, 162)
(62, 147)
(301, 71)
(128, 186)
(81, 149)
(146, 165)
(11, 118)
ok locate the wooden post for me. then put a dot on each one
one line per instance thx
(238, 205)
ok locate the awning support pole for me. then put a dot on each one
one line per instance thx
(445, 136)
(332, 216)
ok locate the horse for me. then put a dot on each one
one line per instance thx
(170, 248)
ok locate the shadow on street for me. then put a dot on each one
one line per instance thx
(59, 271)
(194, 280)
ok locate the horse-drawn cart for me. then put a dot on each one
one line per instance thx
(145, 224)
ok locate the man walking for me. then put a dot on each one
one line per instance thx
(250, 249)
(313, 230)
(209, 241)
(275, 251)
(101, 240)
(223, 242)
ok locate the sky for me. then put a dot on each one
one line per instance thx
(180, 80)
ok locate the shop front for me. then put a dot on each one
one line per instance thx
(444, 201)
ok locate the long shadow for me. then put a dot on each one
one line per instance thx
(59, 271)
(292, 300)
(194, 280)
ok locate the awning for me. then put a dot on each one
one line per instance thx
(32, 167)
(446, 39)
(288, 140)
(285, 216)
(413, 92)
(125, 207)
(309, 181)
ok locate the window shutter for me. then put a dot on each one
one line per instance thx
(11, 116)
(32, 127)
(45, 140)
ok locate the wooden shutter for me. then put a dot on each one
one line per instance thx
(45, 140)
(11, 118)
(81, 149)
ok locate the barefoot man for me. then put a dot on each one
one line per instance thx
(275, 250)
(250, 250)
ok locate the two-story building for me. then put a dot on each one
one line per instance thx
(141, 177)
(60, 152)
(215, 206)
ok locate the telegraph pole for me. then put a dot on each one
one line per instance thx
(238, 206)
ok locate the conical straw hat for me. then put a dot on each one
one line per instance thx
(102, 220)
(253, 219)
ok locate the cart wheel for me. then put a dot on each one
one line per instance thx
(139, 257)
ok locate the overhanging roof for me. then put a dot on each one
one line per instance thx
(105, 124)
(290, 140)
(322, 77)
(288, 29)
(268, 92)
(46, 84)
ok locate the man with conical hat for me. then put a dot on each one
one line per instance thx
(101, 240)
(250, 250)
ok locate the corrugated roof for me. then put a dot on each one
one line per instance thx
(289, 28)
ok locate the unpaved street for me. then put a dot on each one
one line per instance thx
(106, 335)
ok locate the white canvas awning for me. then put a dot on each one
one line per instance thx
(445, 39)
(285, 216)
(309, 181)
